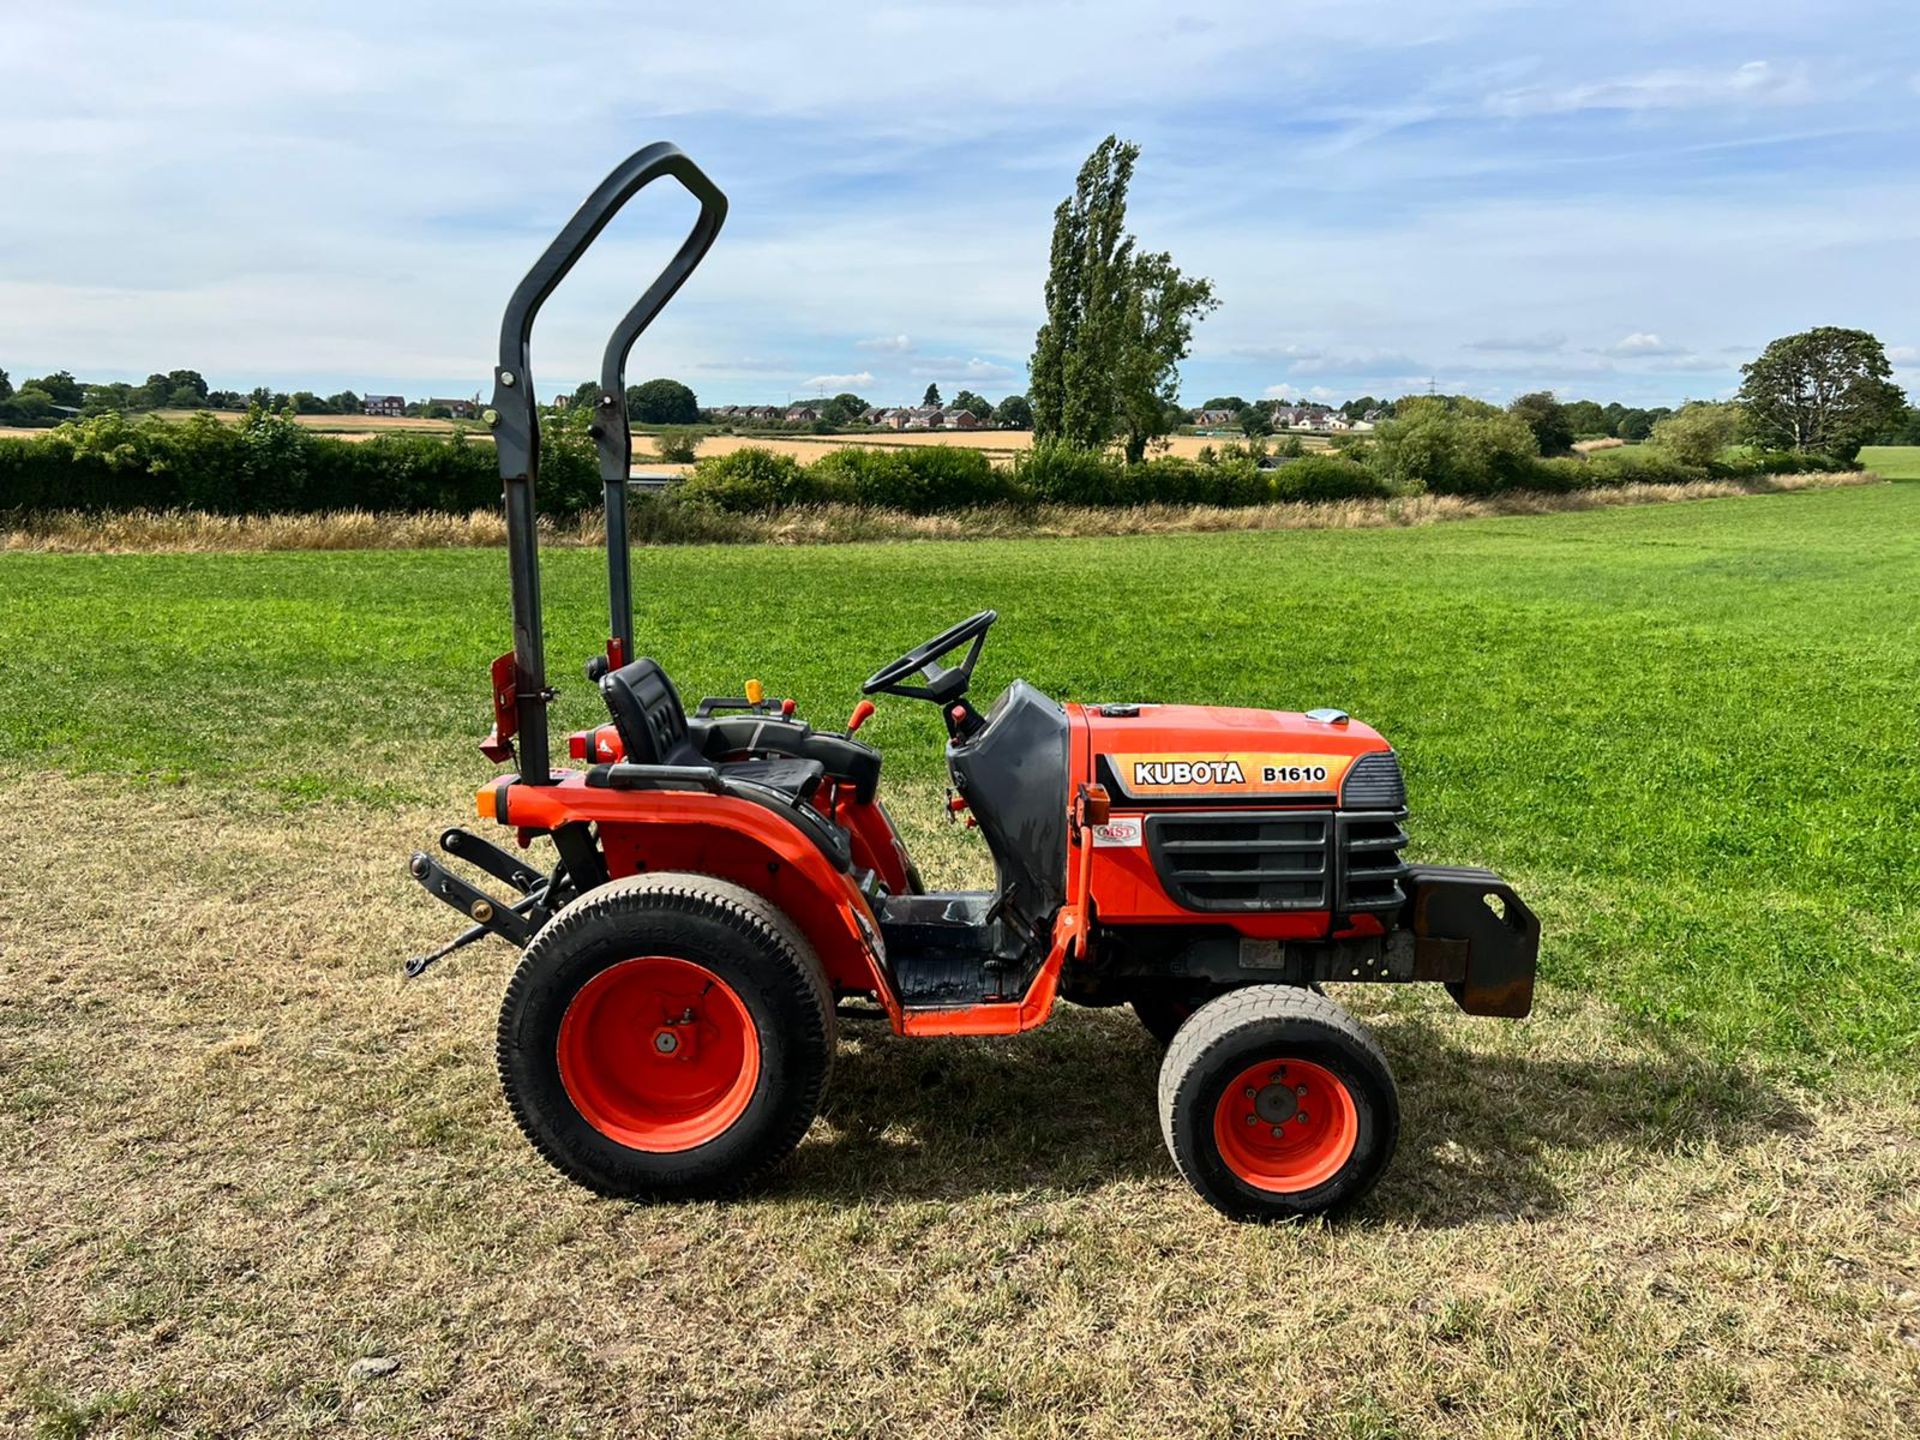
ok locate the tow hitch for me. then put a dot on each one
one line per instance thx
(514, 921)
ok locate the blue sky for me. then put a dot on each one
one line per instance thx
(1615, 200)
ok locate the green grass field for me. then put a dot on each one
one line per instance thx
(1688, 730)
(1679, 1200)
(1896, 462)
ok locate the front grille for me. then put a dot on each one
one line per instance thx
(1280, 859)
(1371, 868)
(1262, 860)
(1375, 783)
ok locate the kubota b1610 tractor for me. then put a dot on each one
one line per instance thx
(727, 882)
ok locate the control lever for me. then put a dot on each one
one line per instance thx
(862, 713)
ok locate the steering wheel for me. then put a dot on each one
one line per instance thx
(943, 685)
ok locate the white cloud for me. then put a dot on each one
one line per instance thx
(1643, 342)
(1903, 354)
(1756, 82)
(898, 343)
(836, 382)
(1544, 344)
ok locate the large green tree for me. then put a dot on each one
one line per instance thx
(1548, 420)
(1013, 413)
(60, 387)
(662, 402)
(932, 397)
(981, 407)
(6, 386)
(1119, 321)
(1827, 390)
(843, 409)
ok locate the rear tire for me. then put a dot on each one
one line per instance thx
(666, 1036)
(1275, 1104)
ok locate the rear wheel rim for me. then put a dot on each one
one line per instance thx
(1286, 1126)
(658, 1054)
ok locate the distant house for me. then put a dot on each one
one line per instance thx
(392, 406)
(562, 402)
(873, 415)
(458, 409)
(1306, 417)
(1361, 426)
(802, 415)
(923, 417)
(1336, 421)
(962, 420)
(890, 419)
(1209, 419)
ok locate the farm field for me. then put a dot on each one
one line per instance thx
(1682, 1199)
(1896, 462)
(1002, 445)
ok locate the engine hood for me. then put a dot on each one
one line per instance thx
(1162, 754)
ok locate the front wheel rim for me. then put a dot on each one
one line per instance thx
(658, 1054)
(1286, 1126)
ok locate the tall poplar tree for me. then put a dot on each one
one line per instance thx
(1105, 363)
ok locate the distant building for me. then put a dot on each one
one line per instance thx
(802, 415)
(393, 406)
(962, 420)
(1306, 417)
(1212, 419)
(922, 417)
(458, 409)
(563, 402)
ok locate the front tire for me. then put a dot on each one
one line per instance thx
(667, 1036)
(1275, 1104)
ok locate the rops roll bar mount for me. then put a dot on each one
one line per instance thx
(514, 418)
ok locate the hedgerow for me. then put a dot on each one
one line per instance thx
(269, 464)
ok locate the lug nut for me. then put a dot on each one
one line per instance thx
(1301, 1117)
(1276, 1132)
(1253, 1119)
(1300, 1090)
(1250, 1092)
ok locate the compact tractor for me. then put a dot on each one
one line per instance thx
(726, 883)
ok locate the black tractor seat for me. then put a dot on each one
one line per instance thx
(771, 753)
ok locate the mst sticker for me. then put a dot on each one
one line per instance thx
(1231, 774)
(1127, 833)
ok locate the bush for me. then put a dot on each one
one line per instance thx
(1067, 475)
(267, 464)
(1326, 477)
(1697, 434)
(1459, 448)
(676, 444)
(749, 479)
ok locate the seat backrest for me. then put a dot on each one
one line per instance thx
(647, 712)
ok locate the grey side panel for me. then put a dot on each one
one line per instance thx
(1013, 774)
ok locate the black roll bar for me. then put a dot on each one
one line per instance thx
(515, 420)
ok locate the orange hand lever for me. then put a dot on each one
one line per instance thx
(861, 714)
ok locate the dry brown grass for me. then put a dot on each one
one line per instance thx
(1002, 445)
(182, 530)
(238, 1154)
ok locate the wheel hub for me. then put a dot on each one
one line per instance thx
(1286, 1126)
(659, 1054)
